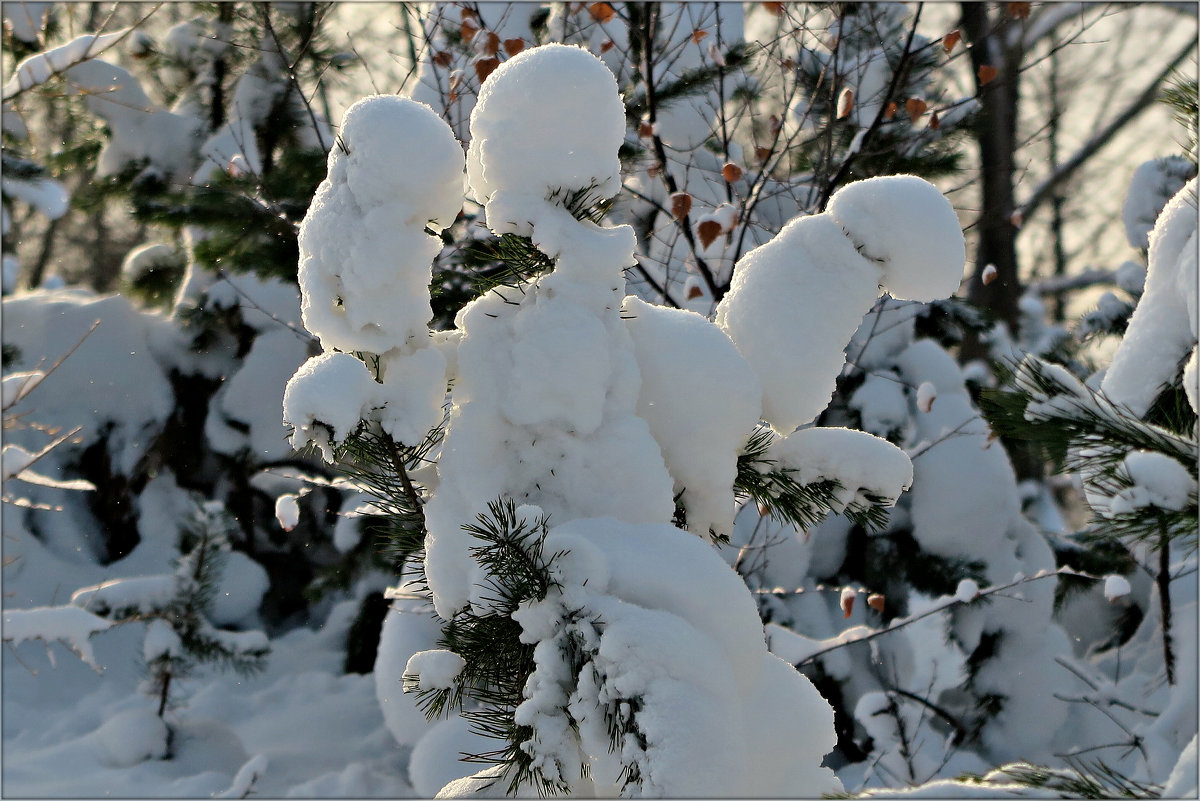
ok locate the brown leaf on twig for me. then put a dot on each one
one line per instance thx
(1018, 10)
(681, 204)
(513, 46)
(731, 172)
(950, 40)
(442, 58)
(915, 107)
(491, 44)
(845, 103)
(935, 122)
(708, 230)
(606, 45)
(601, 12)
(889, 110)
(774, 8)
(876, 601)
(693, 293)
(485, 66)
(987, 73)
(698, 34)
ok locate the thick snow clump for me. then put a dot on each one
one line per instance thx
(1163, 330)
(523, 145)
(365, 257)
(796, 301)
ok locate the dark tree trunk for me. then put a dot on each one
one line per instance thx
(996, 135)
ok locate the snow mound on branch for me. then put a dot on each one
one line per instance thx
(701, 400)
(324, 401)
(410, 398)
(1157, 480)
(858, 461)
(545, 400)
(1162, 332)
(668, 623)
(139, 130)
(795, 302)
(365, 257)
(393, 149)
(1153, 184)
(409, 627)
(68, 624)
(523, 145)
(793, 305)
(906, 225)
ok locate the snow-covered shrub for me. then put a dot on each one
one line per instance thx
(186, 611)
(1129, 433)
(579, 625)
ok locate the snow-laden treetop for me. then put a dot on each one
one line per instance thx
(601, 420)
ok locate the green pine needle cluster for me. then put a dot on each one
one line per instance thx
(776, 489)
(1079, 430)
(1079, 780)
(491, 684)
(382, 468)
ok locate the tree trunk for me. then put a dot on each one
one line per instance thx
(996, 136)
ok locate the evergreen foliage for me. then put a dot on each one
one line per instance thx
(490, 686)
(1079, 430)
(778, 493)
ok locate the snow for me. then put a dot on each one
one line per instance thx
(926, 395)
(365, 258)
(44, 194)
(133, 595)
(71, 625)
(409, 627)
(89, 388)
(1115, 587)
(411, 398)
(131, 737)
(435, 669)
(907, 226)
(18, 385)
(1153, 183)
(161, 642)
(713, 703)
(37, 69)
(14, 459)
(243, 417)
(966, 591)
(525, 147)
(792, 307)
(1163, 329)
(859, 462)
(325, 399)
(247, 776)
(683, 358)
(287, 511)
(881, 404)
(1157, 480)
(812, 284)
(1182, 783)
(240, 591)
(138, 130)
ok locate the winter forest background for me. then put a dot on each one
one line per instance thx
(738, 400)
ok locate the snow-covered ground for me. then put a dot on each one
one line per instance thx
(315, 731)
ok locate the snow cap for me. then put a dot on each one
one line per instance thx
(395, 149)
(907, 225)
(549, 118)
